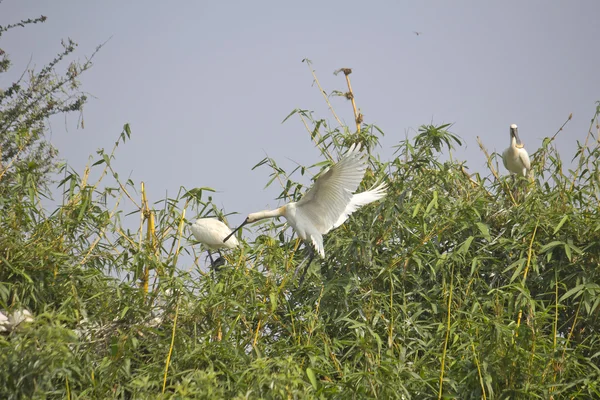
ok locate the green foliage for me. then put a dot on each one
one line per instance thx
(446, 278)
(452, 286)
(26, 105)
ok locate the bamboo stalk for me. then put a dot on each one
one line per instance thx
(358, 117)
(529, 252)
(148, 215)
(171, 346)
(479, 372)
(447, 333)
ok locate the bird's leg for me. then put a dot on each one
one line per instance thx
(212, 262)
(311, 255)
(210, 257)
(520, 188)
(219, 261)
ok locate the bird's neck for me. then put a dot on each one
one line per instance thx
(278, 212)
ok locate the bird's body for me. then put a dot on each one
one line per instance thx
(13, 320)
(328, 203)
(515, 158)
(210, 232)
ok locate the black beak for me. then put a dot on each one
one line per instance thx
(514, 132)
(235, 230)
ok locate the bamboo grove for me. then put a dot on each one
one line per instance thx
(455, 285)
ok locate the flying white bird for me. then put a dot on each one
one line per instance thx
(210, 232)
(515, 158)
(327, 204)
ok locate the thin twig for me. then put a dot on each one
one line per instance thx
(491, 167)
(308, 62)
(323, 150)
(585, 145)
(102, 231)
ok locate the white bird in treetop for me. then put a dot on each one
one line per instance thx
(327, 204)
(515, 158)
(210, 232)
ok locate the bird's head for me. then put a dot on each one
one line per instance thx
(514, 135)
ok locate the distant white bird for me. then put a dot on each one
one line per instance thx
(327, 204)
(210, 232)
(14, 319)
(3, 322)
(18, 317)
(515, 158)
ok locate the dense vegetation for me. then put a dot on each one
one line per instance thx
(452, 286)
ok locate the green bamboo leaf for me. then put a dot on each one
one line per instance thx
(313, 379)
(576, 290)
(82, 208)
(260, 163)
(568, 251)
(294, 111)
(273, 297)
(519, 267)
(432, 203)
(551, 245)
(485, 230)
(465, 246)
(416, 210)
(560, 224)
(474, 263)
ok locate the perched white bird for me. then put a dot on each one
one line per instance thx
(327, 204)
(210, 232)
(14, 319)
(3, 322)
(515, 158)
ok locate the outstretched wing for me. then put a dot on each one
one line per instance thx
(359, 200)
(328, 198)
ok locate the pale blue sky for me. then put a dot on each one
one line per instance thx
(205, 85)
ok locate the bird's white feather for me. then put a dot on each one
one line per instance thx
(328, 198)
(504, 157)
(516, 161)
(515, 157)
(524, 157)
(211, 232)
(329, 202)
(359, 200)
